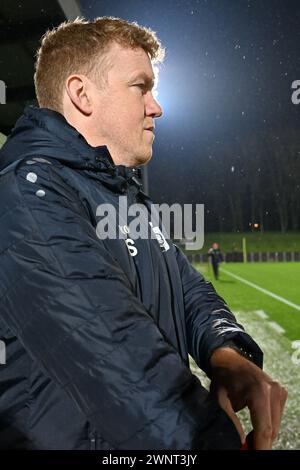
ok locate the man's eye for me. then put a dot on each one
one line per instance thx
(140, 85)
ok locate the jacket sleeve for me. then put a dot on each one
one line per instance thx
(209, 322)
(74, 310)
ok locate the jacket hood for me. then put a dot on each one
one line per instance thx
(46, 133)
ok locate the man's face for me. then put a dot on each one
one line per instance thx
(124, 108)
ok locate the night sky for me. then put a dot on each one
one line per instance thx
(228, 73)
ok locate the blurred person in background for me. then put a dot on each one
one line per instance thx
(216, 257)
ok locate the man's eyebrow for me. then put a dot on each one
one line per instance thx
(149, 81)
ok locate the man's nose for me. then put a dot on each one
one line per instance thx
(153, 108)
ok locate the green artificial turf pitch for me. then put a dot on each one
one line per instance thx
(246, 302)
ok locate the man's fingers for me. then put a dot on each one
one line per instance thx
(240, 383)
(278, 399)
(227, 407)
(260, 412)
(266, 413)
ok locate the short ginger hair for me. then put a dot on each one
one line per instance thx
(80, 46)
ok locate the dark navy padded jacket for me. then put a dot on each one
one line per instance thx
(96, 340)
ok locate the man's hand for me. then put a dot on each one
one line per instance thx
(238, 383)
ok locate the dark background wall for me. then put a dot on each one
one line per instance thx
(229, 137)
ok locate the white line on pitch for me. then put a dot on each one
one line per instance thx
(265, 291)
(276, 327)
(261, 314)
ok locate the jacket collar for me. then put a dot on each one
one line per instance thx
(44, 132)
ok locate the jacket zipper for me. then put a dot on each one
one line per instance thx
(93, 443)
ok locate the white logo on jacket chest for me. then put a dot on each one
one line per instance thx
(131, 247)
(129, 242)
(164, 245)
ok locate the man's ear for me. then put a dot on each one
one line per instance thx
(78, 91)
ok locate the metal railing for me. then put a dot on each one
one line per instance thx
(237, 257)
